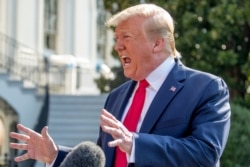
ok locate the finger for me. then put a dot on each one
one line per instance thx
(22, 157)
(107, 114)
(115, 143)
(109, 121)
(44, 132)
(112, 130)
(26, 130)
(18, 146)
(19, 136)
(115, 133)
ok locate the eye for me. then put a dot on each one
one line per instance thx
(126, 36)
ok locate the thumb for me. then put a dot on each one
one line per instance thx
(45, 132)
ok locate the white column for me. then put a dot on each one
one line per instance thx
(61, 27)
(23, 21)
(85, 46)
(93, 31)
(2, 16)
(40, 26)
(65, 26)
(29, 23)
(85, 30)
(26, 23)
(77, 29)
(10, 18)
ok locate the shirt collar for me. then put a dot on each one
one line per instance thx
(157, 77)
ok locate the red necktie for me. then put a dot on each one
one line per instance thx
(131, 119)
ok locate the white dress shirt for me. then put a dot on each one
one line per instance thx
(155, 80)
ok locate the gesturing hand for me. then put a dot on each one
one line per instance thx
(122, 137)
(40, 147)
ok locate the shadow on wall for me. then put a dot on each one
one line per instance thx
(8, 121)
(2, 134)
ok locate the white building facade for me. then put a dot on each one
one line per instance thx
(70, 34)
(65, 31)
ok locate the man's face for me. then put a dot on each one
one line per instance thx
(134, 49)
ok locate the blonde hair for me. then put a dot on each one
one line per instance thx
(158, 22)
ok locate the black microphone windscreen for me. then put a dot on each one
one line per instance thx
(85, 154)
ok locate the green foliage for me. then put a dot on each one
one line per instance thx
(236, 153)
(105, 85)
(212, 36)
(120, 78)
(115, 6)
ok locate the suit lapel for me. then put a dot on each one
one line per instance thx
(118, 111)
(124, 96)
(168, 90)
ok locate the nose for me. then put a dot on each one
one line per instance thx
(119, 46)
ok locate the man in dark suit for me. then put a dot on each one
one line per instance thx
(185, 117)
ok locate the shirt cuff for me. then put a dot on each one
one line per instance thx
(50, 165)
(131, 157)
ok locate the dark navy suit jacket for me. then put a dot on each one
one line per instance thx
(187, 123)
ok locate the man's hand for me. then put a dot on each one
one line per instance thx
(122, 137)
(40, 147)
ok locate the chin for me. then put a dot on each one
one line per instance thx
(130, 75)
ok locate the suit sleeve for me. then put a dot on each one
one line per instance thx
(203, 146)
(63, 151)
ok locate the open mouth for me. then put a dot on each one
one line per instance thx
(125, 60)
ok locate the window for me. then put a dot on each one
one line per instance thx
(50, 24)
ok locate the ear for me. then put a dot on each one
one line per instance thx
(158, 44)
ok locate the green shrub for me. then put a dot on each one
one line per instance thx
(237, 151)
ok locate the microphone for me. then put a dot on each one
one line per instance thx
(85, 154)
